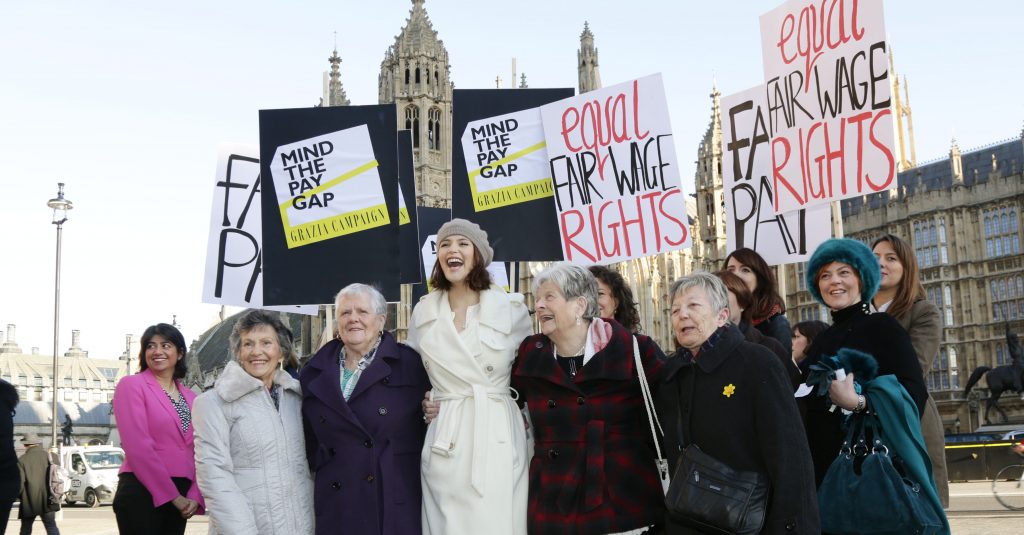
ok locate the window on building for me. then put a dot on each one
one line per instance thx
(417, 75)
(1001, 232)
(801, 276)
(23, 379)
(67, 381)
(39, 380)
(1000, 354)
(1007, 297)
(947, 303)
(407, 76)
(434, 129)
(69, 395)
(83, 396)
(412, 123)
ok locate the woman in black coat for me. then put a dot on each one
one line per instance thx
(734, 400)
(10, 479)
(768, 311)
(844, 275)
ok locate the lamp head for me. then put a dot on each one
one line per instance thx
(60, 205)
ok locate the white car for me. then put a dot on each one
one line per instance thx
(93, 471)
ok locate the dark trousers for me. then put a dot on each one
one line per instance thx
(49, 522)
(5, 514)
(133, 508)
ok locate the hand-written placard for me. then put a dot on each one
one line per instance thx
(234, 257)
(328, 186)
(746, 176)
(615, 173)
(827, 76)
(506, 160)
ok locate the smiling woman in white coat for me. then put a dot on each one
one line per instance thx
(474, 460)
(250, 450)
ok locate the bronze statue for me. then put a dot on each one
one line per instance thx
(1001, 378)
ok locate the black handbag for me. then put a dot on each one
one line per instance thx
(708, 494)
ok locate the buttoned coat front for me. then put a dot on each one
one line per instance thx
(364, 452)
(593, 469)
(475, 456)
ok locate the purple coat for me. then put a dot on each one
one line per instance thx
(365, 453)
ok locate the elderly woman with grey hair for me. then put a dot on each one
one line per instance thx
(364, 429)
(250, 460)
(593, 469)
(733, 400)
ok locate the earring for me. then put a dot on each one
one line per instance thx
(579, 320)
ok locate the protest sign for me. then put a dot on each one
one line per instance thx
(746, 179)
(234, 262)
(333, 197)
(615, 174)
(500, 175)
(408, 235)
(826, 70)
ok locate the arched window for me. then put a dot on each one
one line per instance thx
(436, 79)
(407, 76)
(1013, 221)
(427, 73)
(417, 75)
(412, 123)
(435, 128)
(1006, 223)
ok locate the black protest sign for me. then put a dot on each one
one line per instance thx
(330, 202)
(489, 186)
(408, 235)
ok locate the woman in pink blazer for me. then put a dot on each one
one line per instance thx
(156, 491)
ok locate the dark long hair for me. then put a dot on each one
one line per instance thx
(626, 313)
(172, 335)
(910, 289)
(478, 280)
(810, 329)
(766, 295)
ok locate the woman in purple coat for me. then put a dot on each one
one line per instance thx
(363, 423)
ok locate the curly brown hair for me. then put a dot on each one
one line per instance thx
(626, 313)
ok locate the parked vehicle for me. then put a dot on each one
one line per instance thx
(93, 471)
(1015, 436)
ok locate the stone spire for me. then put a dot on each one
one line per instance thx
(10, 345)
(335, 92)
(904, 119)
(589, 69)
(415, 76)
(522, 85)
(710, 225)
(76, 345)
(956, 166)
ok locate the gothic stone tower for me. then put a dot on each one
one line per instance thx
(415, 76)
(586, 57)
(709, 236)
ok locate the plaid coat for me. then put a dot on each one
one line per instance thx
(593, 468)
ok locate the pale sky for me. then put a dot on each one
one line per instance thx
(127, 103)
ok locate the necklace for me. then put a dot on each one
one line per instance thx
(576, 353)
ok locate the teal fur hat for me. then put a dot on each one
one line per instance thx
(847, 251)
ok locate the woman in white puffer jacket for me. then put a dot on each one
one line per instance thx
(250, 451)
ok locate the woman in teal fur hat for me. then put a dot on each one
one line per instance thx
(844, 275)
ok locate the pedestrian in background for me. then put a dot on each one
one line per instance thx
(615, 298)
(804, 334)
(250, 454)
(156, 490)
(36, 500)
(10, 478)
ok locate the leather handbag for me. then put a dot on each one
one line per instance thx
(863, 487)
(712, 496)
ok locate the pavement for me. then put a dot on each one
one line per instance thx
(972, 511)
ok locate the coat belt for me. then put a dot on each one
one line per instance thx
(450, 415)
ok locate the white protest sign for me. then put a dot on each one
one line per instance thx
(826, 68)
(499, 275)
(328, 186)
(506, 160)
(615, 173)
(234, 250)
(746, 179)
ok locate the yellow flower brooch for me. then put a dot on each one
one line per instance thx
(729, 390)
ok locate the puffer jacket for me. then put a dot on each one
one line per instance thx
(250, 458)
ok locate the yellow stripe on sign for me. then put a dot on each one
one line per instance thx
(337, 225)
(509, 158)
(403, 216)
(509, 195)
(333, 182)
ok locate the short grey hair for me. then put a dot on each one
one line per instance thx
(572, 281)
(377, 301)
(254, 318)
(713, 286)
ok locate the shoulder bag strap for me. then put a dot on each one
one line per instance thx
(652, 417)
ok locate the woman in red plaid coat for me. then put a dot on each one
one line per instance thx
(593, 470)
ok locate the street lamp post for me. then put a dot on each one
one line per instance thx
(60, 207)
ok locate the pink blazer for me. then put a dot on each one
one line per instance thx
(155, 448)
